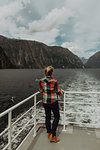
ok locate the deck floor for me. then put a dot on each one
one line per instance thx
(72, 139)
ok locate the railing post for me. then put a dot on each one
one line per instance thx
(10, 129)
(34, 115)
(64, 114)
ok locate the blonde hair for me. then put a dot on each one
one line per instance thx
(49, 70)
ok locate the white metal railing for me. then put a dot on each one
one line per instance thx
(75, 103)
(10, 124)
(64, 102)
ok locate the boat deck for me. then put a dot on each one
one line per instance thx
(75, 138)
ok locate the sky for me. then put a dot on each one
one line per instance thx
(72, 24)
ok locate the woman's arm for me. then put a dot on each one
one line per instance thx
(41, 87)
(58, 91)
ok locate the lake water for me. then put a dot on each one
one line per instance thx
(21, 83)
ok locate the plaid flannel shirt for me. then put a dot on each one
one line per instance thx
(50, 90)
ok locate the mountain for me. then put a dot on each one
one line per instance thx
(93, 61)
(32, 54)
(4, 60)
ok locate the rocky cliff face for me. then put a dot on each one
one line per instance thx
(93, 61)
(4, 61)
(32, 54)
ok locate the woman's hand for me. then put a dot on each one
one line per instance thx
(62, 90)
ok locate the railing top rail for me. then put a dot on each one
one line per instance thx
(17, 105)
(25, 100)
(81, 92)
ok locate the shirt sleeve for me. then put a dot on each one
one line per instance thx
(41, 87)
(57, 89)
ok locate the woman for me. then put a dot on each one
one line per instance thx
(49, 89)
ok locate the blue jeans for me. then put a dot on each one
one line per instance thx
(54, 107)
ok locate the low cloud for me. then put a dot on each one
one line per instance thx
(77, 50)
(47, 37)
(73, 47)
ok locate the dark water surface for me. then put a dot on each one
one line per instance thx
(21, 83)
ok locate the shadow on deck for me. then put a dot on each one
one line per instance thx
(75, 138)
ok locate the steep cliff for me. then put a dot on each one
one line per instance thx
(32, 54)
(4, 61)
(93, 61)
